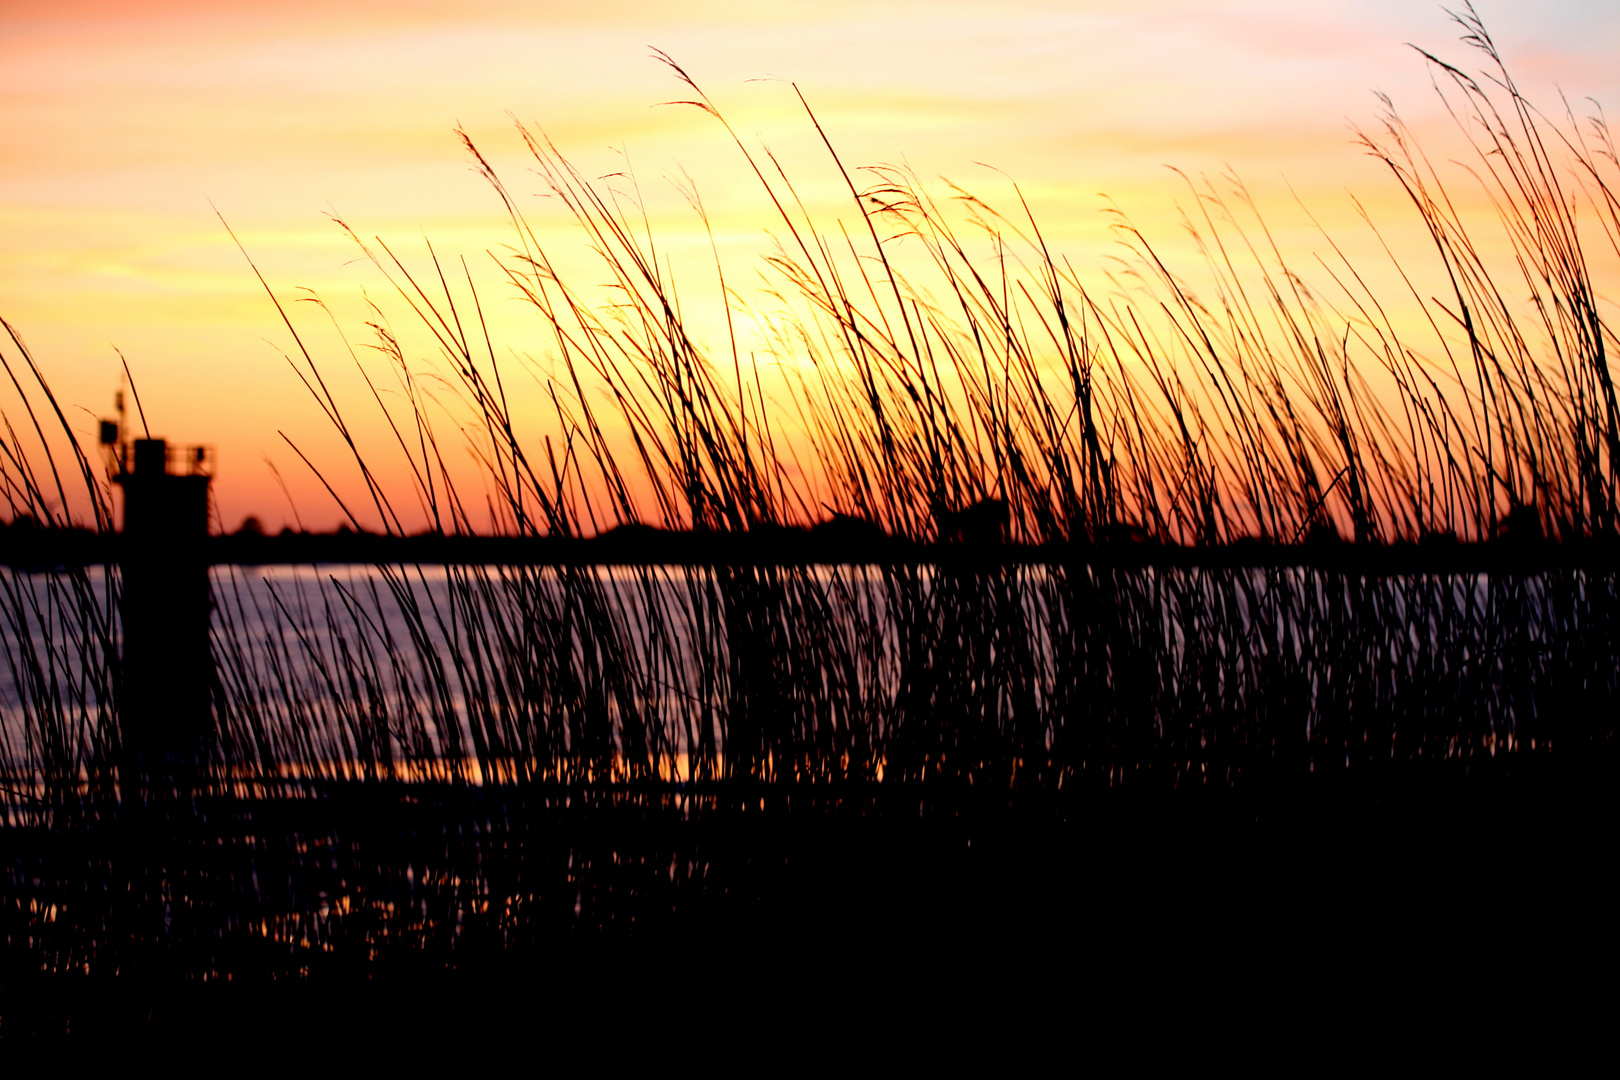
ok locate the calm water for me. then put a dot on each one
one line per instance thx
(1038, 697)
(419, 651)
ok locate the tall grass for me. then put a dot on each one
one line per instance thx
(59, 629)
(422, 762)
(913, 380)
(941, 398)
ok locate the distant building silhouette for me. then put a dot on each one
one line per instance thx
(167, 666)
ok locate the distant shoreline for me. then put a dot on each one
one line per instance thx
(27, 548)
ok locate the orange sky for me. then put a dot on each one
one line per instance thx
(126, 123)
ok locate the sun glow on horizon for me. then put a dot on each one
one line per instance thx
(129, 126)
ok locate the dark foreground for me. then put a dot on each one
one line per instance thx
(399, 911)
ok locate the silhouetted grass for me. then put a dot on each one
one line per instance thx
(946, 402)
(979, 407)
(1134, 445)
(60, 628)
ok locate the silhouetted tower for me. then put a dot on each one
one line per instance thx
(167, 664)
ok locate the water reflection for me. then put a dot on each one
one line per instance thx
(1020, 675)
(416, 765)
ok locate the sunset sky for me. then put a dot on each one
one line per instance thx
(127, 124)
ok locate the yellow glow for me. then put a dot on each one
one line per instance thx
(128, 124)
